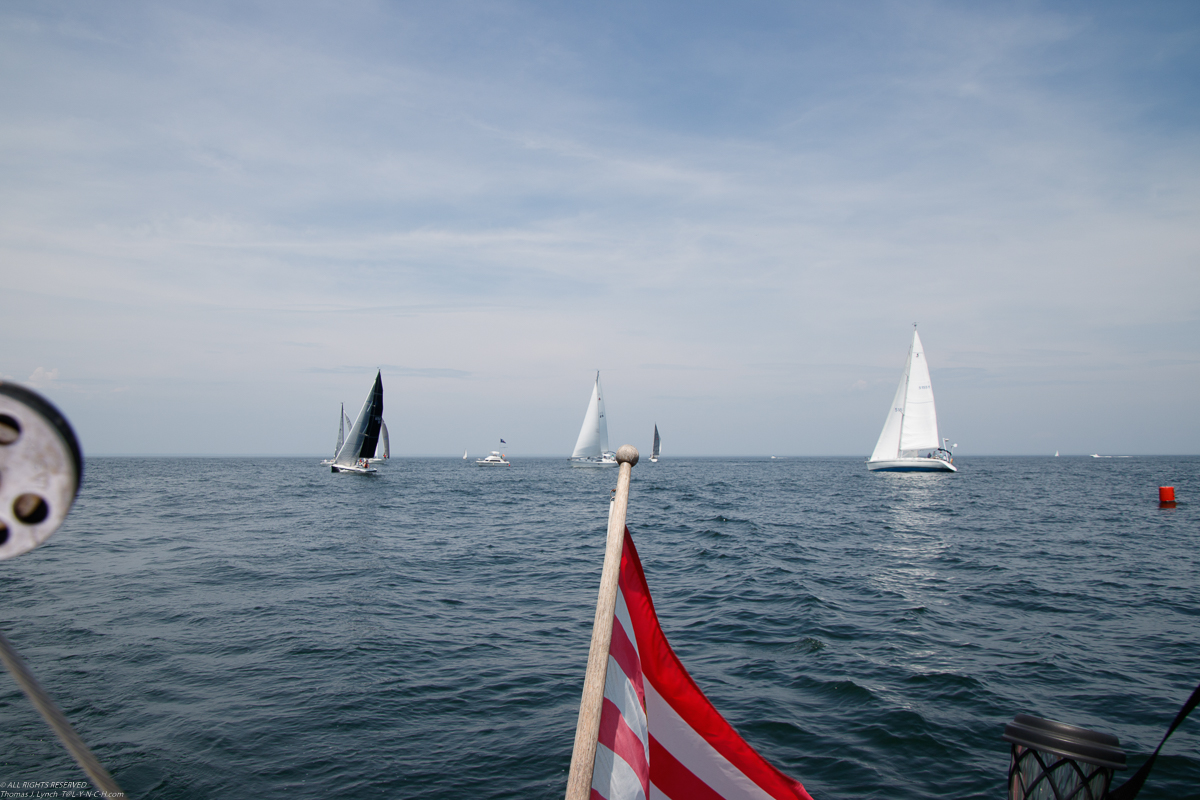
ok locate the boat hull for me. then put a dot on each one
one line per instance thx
(911, 465)
(355, 470)
(482, 463)
(597, 463)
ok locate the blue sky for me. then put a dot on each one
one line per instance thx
(217, 220)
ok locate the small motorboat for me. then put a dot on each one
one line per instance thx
(494, 460)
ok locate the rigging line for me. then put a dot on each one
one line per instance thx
(57, 721)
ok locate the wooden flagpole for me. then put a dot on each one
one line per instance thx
(583, 757)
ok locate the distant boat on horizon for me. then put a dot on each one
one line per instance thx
(496, 459)
(342, 420)
(911, 423)
(654, 450)
(591, 448)
(383, 450)
(362, 441)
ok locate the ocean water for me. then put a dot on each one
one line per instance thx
(262, 628)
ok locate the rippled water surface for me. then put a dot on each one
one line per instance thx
(262, 628)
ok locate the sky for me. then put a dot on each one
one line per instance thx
(219, 219)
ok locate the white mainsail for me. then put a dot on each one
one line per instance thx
(341, 430)
(384, 448)
(911, 424)
(593, 436)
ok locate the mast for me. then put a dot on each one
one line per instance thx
(603, 419)
(907, 375)
(341, 430)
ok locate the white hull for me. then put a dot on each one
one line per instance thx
(607, 461)
(912, 465)
(355, 470)
(653, 459)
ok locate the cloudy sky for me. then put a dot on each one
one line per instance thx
(217, 220)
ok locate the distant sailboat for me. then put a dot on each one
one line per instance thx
(655, 450)
(342, 420)
(383, 450)
(464, 455)
(911, 424)
(363, 438)
(591, 448)
(1056, 454)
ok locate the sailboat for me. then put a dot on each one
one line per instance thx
(654, 450)
(342, 420)
(464, 455)
(591, 448)
(363, 438)
(911, 424)
(383, 450)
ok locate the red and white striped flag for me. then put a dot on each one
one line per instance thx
(660, 737)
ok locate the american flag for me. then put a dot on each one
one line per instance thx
(660, 737)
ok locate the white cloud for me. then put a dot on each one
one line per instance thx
(42, 378)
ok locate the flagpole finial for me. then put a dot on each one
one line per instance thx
(627, 453)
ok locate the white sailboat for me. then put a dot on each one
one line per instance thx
(383, 450)
(591, 448)
(363, 438)
(464, 455)
(342, 420)
(655, 449)
(909, 441)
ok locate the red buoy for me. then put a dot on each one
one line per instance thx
(1166, 494)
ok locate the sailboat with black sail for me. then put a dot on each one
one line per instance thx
(363, 438)
(909, 441)
(591, 448)
(657, 445)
